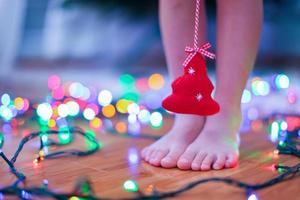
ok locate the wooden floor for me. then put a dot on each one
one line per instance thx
(115, 163)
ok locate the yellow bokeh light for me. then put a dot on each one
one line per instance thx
(121, 127)
(51, 123)
(156, 81)
(19, 103)
(109, 111)
(96, 123)
(55, 112)
(74, 198)
(122, 105)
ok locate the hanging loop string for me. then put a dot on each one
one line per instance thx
(196, 27)
(203, 49)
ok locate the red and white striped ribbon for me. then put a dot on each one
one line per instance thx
(202, 50)
(196, 27)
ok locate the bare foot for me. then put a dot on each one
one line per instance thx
(166, 151)
(217, 145)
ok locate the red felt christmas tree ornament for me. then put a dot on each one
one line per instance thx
(191, 92)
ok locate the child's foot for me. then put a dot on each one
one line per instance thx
(166, 151)
(217, 145)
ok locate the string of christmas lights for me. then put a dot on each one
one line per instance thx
(42, 155)
(137, 107)
(83, 189)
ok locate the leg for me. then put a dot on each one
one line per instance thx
(177, 21)
(239, 25)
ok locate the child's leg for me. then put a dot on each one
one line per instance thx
(177, 22)
(239, 25)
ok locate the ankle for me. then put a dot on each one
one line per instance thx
(230, 104)
(227, 121)
(229, 108)
(188, 121)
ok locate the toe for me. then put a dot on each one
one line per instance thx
(220, 162)
(149, 154)
(143, 152)
(207, 162)
(186, 159)
(231, 161)
(156, 159)
(196, 164)
(153, 154)
(170, 160)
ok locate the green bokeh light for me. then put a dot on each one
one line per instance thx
(127, 80)
(5, 99)
(130, 186)
(1, 140)
(43, 123)
(282, 81)
(64, 136)
(132, 96)
(89, 144)
(260, 88)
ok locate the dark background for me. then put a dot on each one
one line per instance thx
(87, 40)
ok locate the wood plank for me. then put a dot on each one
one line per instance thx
(109, 168)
